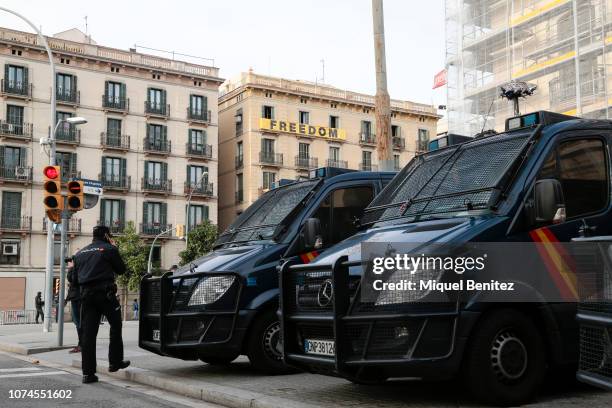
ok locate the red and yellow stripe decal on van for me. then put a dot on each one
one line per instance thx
(309, 256)
(558, 262)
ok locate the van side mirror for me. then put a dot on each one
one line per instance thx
(311, 234)
(549, 204)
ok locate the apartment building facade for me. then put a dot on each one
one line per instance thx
(272, 128)
(562, 46)
(150, 138)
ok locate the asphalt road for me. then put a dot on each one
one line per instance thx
(20, 378)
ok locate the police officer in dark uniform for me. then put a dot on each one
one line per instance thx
(96, 266)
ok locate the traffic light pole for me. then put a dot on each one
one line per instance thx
(66, 214)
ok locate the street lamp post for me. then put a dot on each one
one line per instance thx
(49, 265)
(189, 205)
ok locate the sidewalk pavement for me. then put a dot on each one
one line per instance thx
(239, 386)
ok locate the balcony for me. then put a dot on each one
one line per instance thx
(367, 166)
(115, 103)
(198, 115)
(271, 159)
(21, 224)
(70, 97)
(16, 89)
(116, 227)
(68, 135)
(113, 141)
(239, 197)
(367, 139)
(158, 186)
(16, 131)
(115, 182)
(239, 162)
(157, 109)
(199, 189)
(17, 174)
(152, 229)
(156, 146)
(199, 151)
(74, 225)
(306, 162)
(399, 143)
(341, 164)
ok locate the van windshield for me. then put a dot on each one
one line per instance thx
(459, 178)
(261, 219)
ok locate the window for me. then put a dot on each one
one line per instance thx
(57, 253)
(11, 210)
(112, 214)
(14, 116)
(239, 153)
(396, 131)
(422, 140)
(154, 172)
(114, 92)
(267, 147)
(396, 162)
(16, 78)
(581, 167)
(68, 163)
(339, 210)
(197, 215)
(114, 171)
(65, 129)
(156, 137)
(156, 100)
(334, 153)
(267, 112)
(238, 118)
(268, 180)
(304, 117)
(304, 150)
(366, 158)
(334, 122)
(194, 175)
(366, 128)
(198, 106)
(10, 158)
(239, 188)
(66, 87)
(113, 127)
(154, 217)
(197, 140)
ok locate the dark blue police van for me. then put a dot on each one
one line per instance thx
(224, 303)
(545, 179)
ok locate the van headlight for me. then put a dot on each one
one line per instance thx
(210, 289)
(393, 297)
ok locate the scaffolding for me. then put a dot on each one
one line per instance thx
(560, 45)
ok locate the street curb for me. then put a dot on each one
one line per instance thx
(26, 351)
(209, 392)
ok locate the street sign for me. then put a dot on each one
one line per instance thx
(92, 187)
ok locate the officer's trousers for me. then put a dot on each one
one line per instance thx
(94, 304)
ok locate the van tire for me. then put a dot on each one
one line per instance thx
(218, 360)
(262, 345)
(505, 359)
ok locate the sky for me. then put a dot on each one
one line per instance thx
(281, 38)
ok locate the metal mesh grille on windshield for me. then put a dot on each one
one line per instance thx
(456, 178)
(260, 220)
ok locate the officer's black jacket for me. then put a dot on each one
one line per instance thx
(74, 291)
(98, 262)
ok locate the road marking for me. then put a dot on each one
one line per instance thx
(33, 374)
(16, 370)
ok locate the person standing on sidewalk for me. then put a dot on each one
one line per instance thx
(39, 303)
(96, 266)
(135, 309)
(74, 297)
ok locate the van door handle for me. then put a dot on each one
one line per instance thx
(586, 230)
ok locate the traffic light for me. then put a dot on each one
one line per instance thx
(52, 185)
(75, 199)
(180, 230)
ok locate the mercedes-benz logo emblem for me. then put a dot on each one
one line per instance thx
(326, 293)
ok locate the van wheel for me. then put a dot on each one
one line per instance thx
(264, 345)
(218, 360)
(505, 359)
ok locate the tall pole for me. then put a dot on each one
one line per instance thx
(60, 310)
(382, 108)
(49, 265)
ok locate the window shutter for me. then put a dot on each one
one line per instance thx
(272, 112)
(145, 213)
(164, 134)
(164, 171)
(205, 213)
(204, 138)
(102, 208)
(22, 156)
(123, 170)
(189, 173)
(163, 219)
(73, 163)
(263, 111)
(103, 166)
(25, 79)
(163, 99)
(122, 91)
(74, 84)
(149, 95)
(6, 74)
(1, 156)
(106, 89)
(122, 212)
(205, 106)
(205, 170)
(148, 131)
(146, 170)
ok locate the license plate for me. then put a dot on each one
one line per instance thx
(155, 335)
(321, 347)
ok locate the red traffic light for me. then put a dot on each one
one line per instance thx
(75, 187)
(51, 172)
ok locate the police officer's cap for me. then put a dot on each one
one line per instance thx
(100, 231)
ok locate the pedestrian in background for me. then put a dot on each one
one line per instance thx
(74, 297)
(39, 303)
(135, 309)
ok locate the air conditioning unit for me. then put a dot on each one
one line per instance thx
(22, 173)
(11, 248)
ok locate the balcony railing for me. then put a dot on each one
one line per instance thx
(367, 166)
(157, 109)
(116, 227)
(306, 162)
(396, 167)
(114, 141)
(239, 196)
(155, 228)
(199, 150)
(20, 174)
(68, 134)
(117, 103)
(198, 115)
(341, 164)
(70, 96)
(115, 181)
(199, 189)
(367, 138)
(399, 143)
(23, 223)
(239, 161)
(156, 146)
(74, 225)
(156, 185)
(16, 130)
(16, 88)
(274, 159)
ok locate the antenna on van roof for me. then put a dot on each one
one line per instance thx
(514, 90)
